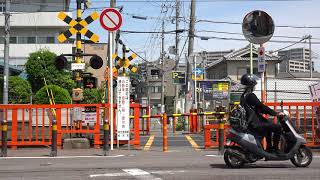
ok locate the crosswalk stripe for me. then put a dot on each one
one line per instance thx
(149, 143)
(140, 174)
(193, 143)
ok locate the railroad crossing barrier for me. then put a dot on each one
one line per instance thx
(305, 116)
(33, 125)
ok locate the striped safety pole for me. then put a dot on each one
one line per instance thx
(54, 137)
(4, 139)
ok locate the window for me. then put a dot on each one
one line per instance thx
(31, 40)
(2, 7)
(45, 40)
(13, 40)
(155, 89)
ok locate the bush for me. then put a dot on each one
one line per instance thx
(61, 95)
(92, 96)
(19, 90)
(41, 64)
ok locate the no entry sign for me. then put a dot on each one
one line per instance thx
(111, 19)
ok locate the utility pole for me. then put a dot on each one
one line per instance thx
(162, 69)
(177, 53)
(190, 50)
(310, 55)
(6, 53)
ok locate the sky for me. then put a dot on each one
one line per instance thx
(283, 12)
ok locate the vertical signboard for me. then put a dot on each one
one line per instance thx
(261, 60)
(123, 111)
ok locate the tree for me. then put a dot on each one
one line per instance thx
(41, 65)
(92, 96)
(19, 90)
(61, 95)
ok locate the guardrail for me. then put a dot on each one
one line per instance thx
(31, 125)
(304, 115)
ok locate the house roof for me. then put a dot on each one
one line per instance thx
(243, 54)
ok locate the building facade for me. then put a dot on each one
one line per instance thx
(295, 60)
(150, 83)
(34, 25)
(237, 63)
(209, 57)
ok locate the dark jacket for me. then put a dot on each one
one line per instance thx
(255, 109)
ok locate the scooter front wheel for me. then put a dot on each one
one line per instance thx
(303, 158)
(231, 160)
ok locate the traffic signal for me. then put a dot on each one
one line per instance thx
(60, 62)
(89, 82)
(96, 62)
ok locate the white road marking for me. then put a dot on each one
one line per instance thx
(167, 172)
(213, 155)
(108, 175)
(138, 174)
(62, 157)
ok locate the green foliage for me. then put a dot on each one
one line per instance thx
(92, 96)
(19, 90)
(61, 95)
(40, 65)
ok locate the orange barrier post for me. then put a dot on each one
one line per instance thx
(165, 137)
(14, 128)
(59, 130)
(207, 137)
(136, 126)
(96, 139)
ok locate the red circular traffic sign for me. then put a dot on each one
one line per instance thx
(111, 19)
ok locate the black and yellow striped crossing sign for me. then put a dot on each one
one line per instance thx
(78, 27)
(125, 63)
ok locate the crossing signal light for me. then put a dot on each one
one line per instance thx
(96, 62)
(60, 62)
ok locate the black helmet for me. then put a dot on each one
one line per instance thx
(249, 80)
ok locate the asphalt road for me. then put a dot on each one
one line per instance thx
(153, 164)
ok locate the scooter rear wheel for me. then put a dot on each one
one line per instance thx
(303, 158)
(232, 161)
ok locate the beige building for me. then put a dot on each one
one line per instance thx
(237, 63)
(99, 49)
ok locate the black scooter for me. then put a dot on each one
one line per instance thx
(245, 148)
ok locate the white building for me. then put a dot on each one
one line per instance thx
(295, 60)
(34, 25)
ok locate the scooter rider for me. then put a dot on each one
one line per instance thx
(255, 109)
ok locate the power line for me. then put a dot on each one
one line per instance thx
(239, 39)
(289, 45)
(238, 23)
(234, 33)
